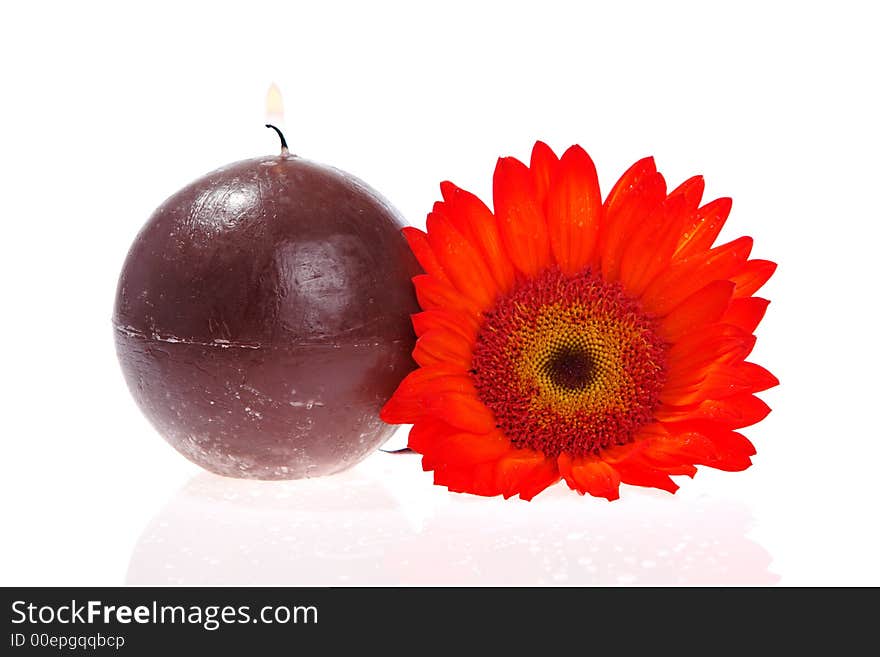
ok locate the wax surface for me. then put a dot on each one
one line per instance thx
(262, 318)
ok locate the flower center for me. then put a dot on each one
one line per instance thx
(570, 368)
(569, 364)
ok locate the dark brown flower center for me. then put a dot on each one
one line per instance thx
(571, 368)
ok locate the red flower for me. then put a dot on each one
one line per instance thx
(564, 337)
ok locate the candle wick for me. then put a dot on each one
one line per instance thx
(284, 150)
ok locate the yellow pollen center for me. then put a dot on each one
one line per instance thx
(569, 364)
(564, 340)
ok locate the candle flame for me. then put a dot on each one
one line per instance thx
(274, 106)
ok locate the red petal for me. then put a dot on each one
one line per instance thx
(435, 294)
(691, 190)
(726, 380)
(462, 410)
(401, 409)
(521, 221)
(538, 480)
(759, 378)
(637, 472)
(487, 465)
(450, 320)
(469, 213)
(590, 475)
(740, 377)
(408, 404)
(427, 433)
(700, 233)
(731, 442)
(660, 455)
(460, 260)
(734, 412)
(477, 480)
(730, 450)
(752, 277)
(418, 244)
(613, 455)
(525, 473)
(442, 346)
(542, 163)
(746, 313)
(447, 209)
(703, 307)
(650, 247)
(638, 193)
(686, 277)
(685, 447)
(574, 211)
(465, 449)
(689, 359)
(680, 469)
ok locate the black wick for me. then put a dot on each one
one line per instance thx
(284, 148)
(402, 450)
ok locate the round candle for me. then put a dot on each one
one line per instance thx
(262, 318)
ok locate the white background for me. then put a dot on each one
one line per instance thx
(106, 110)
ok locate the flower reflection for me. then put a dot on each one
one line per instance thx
(380, 524)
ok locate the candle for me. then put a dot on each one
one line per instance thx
(262, 318)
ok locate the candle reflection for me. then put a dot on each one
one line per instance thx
(365, 527)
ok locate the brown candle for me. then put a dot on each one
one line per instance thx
(262, 318)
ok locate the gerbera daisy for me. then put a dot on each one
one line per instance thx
(564, 337)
